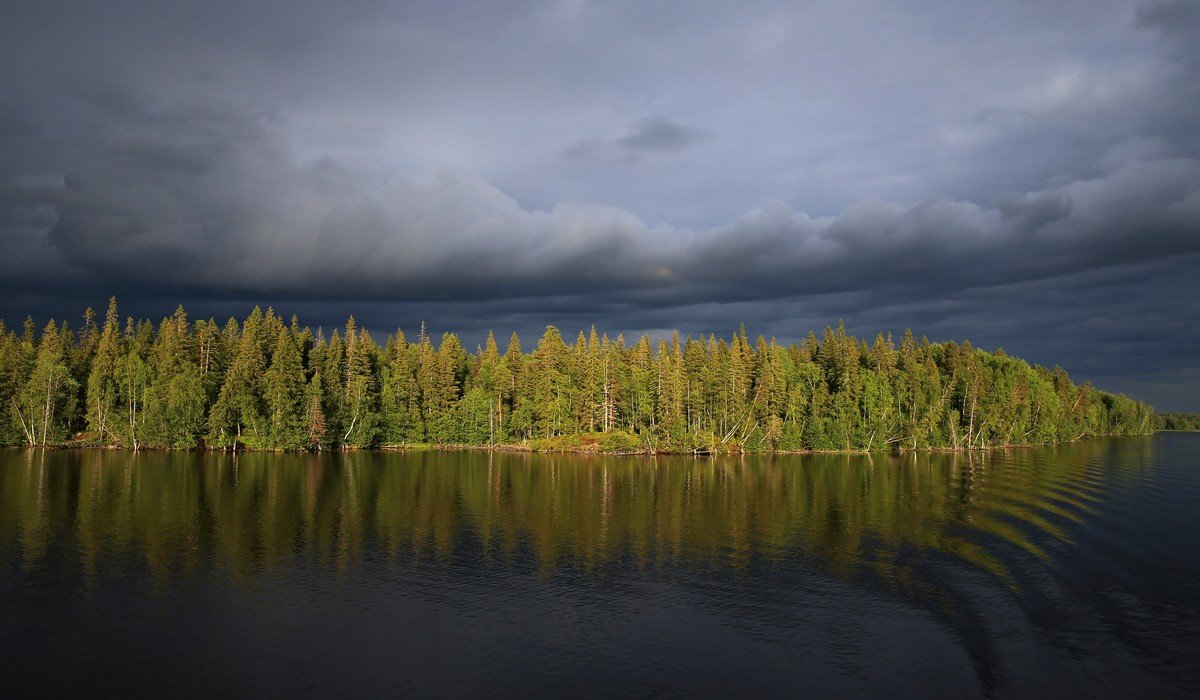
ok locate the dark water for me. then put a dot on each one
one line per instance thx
(1066, 572)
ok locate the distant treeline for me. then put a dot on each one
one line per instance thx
(269, 384)
(1177, 421)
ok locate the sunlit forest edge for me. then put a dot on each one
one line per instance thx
(269, 384)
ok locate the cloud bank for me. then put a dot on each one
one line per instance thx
(212, 200)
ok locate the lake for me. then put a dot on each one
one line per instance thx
(1069, 571)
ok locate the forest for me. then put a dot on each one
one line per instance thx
(270, 384)
(1188, 422)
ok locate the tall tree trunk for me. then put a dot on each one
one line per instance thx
(46, 412)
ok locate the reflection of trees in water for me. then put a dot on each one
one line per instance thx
(249, 513)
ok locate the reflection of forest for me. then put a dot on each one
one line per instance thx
(257, 511)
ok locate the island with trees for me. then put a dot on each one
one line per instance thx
(270, 384)
(1178, 422)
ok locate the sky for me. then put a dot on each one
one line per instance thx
(1024, 175)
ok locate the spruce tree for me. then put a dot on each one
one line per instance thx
(238, 414)
(360, 397)
(102, 403)
(314, 417)
(176, 401)
(284, 397)
(398, 396)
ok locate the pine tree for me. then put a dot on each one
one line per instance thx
(669, 389)
(551, 388)
(490, 379)
(176, 401)
(13, 372)
(640, 395)
(237, 415)
(284, 396)
(102, 404)
(314, 418)
(360, 395)
(517, 399)
(399, 400)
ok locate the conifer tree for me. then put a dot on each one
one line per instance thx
(284, 396)
(176, 401)
(237, 415)
(490, 382)
(399, 400)
(640, 394)
(102, 403)
(517, 399)
(13, 372)
(551, 387)
(314, 418)
(360, 397)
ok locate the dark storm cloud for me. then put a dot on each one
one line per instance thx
(471, 168)
(204, 198)
(164, 196)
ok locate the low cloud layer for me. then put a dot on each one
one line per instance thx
(1058, 216)
(211, 200)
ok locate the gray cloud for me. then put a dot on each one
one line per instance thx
(166, 196)
(659, 135)
(645, 137)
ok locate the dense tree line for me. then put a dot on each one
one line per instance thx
(270, 384)
(1177, 421)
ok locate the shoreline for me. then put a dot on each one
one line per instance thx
(572, 450)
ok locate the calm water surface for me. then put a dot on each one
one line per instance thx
(1070, 571)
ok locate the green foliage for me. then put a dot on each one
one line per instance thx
(44, 406)
(175, 398)
(284, 395)
(1172, 421)
(620, 441)
(264, 384)
(103, 408)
